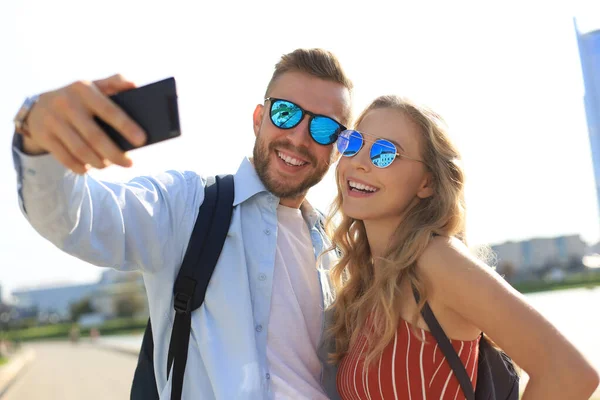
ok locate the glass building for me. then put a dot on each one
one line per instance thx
(589, 53)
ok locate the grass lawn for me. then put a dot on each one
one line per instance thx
(61, 331)
(589, 282)
(3, 360)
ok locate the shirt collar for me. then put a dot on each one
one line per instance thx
(247, 184)
(311, 216)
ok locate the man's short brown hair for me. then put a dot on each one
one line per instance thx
(319, 63)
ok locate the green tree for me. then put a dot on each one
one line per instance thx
(83, 306)
(128, 304)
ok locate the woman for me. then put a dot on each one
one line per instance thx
(400, 194)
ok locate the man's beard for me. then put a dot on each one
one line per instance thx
(280, 188)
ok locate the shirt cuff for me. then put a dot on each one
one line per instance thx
(41, 168)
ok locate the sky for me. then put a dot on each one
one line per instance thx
(505, 75)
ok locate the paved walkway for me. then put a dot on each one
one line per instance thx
(66, 371)
(126, 343)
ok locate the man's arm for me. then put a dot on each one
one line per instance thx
(126, 226)
(141, 224)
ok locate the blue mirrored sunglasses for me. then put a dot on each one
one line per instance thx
(382, 153)
(287, 115)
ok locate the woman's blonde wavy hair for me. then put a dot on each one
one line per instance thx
(363, 295)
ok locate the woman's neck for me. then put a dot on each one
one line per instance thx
(379, 233)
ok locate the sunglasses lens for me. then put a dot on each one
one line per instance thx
(324, 130)
(285, 115)
(349, 143)
(383, 153)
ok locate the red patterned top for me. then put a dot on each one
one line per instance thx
(408, 369)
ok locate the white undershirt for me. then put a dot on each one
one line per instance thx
(296, 312)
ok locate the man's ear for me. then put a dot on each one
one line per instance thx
(426, 188)
(257, 118)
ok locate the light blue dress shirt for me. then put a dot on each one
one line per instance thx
(145, 225)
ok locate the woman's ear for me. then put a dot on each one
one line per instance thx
(426, 188)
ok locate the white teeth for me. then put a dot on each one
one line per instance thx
(290, 160)
(361, 186)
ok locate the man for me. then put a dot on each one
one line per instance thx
(257, 332)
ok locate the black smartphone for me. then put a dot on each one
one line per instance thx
(154, 107)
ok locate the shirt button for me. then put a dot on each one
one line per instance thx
(267, 231)
(258, 328)
(262, 277)
(268, 376)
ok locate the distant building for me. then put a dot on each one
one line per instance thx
(53, 301)
(56, 301)
(537, 254)
(589, 54)
(106, 298)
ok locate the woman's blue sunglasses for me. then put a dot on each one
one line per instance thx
(287, 115)
(382, 154)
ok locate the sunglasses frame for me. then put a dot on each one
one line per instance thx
(364, 140)
(311, 115)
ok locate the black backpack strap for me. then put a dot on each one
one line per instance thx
(143, 386)
(453, 360)
(204, 249)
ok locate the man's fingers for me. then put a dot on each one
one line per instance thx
(62, 123)
(98, 140)
(63, 156)
(75, 144)
(114, 84)
(100, 105)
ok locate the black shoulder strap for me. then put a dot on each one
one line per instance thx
(204, 249)
(446, 347)
(143, 386)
